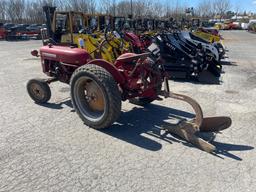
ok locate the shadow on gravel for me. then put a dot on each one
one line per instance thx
(205, 78)
(229, 63)
(139, 125)
(58, 105)
(225, 149)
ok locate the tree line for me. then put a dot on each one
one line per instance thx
(30, 11)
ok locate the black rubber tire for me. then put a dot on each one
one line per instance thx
(43, 89)
(109, 88)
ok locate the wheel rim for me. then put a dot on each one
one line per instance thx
(37, 91)
(90, 99)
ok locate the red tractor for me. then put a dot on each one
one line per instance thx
(99, 87)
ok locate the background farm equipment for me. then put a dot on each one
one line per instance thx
(232, 26)
(22, 32)
(209, 30)
(2, 31)
(216, 48)
(184, 57)
(252, 27)
(87, 32)
(207, 36)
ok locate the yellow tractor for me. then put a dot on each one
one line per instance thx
(207, 36)
(85, 31)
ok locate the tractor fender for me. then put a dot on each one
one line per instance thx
(110, 68)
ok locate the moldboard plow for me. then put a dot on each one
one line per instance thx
(188, 129)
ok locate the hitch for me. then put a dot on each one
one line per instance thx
(187, 129)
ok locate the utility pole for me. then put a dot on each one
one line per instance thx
(131, 10)
(114, 7)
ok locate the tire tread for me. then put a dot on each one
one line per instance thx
(112, 91)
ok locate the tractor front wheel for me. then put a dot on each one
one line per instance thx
(95, 96)
(39, 90)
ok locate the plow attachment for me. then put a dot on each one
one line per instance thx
(187, 129)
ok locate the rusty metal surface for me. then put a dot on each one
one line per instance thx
(197, 122)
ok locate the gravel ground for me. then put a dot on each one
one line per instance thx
(48, 148)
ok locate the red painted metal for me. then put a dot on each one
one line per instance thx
(131, 71)
(134, 39)
(63, 54)
(130, 57)
(141, 78)
(139, 43)
(111, 69)
(134, 73)
(2, 33)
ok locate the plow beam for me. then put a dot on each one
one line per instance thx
(198, 120)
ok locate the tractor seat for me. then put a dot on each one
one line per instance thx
(130, 57)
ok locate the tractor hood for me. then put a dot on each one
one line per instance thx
(69, 55)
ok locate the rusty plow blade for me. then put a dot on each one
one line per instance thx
(187, 129)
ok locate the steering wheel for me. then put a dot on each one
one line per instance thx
(114, 39)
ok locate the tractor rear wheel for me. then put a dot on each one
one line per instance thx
(39, 90)
(95, 96)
